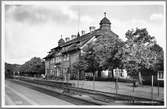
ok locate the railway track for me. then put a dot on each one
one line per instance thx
(57, 94)
(91, 96)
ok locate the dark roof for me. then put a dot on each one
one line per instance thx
(78, 42)
(50, 55)
(51, 52)
(105, 21)
(61, 41)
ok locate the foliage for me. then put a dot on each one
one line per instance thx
(90, 59)
(106, 48)
(140, 52)
(10, 68)
(100, 54)
(35, 65)
(78, 67)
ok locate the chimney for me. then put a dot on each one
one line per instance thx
(82, 32)
(91, 28)
(78, 35)
(67, 39)
(73, 36)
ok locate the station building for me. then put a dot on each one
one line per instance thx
(60, 59)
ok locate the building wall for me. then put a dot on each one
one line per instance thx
(74, 57)
(49, 67)
(66, 60)
(58, 66)
(67, 64)
(46, 66)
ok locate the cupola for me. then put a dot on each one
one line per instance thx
(61, 41)
(105, 23)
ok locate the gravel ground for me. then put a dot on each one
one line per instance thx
(19, 95)
(124, 88)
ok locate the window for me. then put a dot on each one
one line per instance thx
(52, 60)
(58, 59)
(66, 57)
(160, 75)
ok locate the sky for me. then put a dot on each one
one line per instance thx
(32, 30)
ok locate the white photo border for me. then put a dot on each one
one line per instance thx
(111, 3)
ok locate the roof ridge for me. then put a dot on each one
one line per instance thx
(76, 39)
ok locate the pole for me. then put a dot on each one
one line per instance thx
(116, 80)
(69, 67)
(133, 90)
(133, 87)
(78, 80)
(152, 89)
(93, 81)
(158, 88)
(117, 85)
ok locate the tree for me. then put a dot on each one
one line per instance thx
(106, 48)
(140, 52)
(101, 54)
(87, 61)
(33, 66)
(78, 67)
(10, 69)
(90, 60)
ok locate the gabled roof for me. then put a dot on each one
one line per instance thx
(78, 42)
(79, 39)
(50, 55)
(51, 52)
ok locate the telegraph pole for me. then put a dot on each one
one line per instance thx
(116, 80)
(152, 83)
